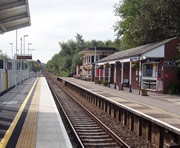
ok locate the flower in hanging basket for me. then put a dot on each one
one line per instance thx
(118, 62)
(135, 64)
(107, 65)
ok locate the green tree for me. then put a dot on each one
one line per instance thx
(3, 56)
(146, 21)
(64, 63)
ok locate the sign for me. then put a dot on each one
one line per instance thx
(24, 57)
(169, 64)
(155, 60)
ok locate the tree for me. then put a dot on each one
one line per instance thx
(146, 21)
(3, 56)
(64, 63)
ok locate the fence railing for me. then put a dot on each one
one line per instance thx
(15, 77)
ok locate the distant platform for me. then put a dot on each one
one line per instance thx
(161, 108)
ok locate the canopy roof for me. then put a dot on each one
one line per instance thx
(98, 49)
(14, 14)
(137, 51)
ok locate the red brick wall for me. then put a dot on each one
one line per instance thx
(112, 73)
(126, 71)
(118, 74)
(134, 82)
(170, 75)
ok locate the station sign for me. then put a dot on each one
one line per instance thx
(24, 57)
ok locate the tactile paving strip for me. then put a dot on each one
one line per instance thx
(27, 138)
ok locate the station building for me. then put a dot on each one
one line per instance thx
(86, 70)
(150, 66)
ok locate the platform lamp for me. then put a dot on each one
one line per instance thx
(11, 48)
(28, 47)
(24, 42)
(31, 50)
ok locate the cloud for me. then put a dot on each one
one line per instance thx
(59, 20)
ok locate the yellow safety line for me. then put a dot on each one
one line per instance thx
(10, 130)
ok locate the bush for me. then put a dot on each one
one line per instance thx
(172, 89)
(105, 83)
(89, 79)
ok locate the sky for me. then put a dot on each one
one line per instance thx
(54, 21)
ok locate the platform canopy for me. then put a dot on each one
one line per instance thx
(14, 14)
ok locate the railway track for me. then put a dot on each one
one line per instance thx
(89, 131)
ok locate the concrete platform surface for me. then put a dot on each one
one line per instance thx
(50, 131)
(165, 108)
(10, 103)
(29, 118)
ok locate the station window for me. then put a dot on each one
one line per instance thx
(150, 70)
(150, 76)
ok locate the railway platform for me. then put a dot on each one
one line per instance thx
(155, 117)
(29, 117)
(169, 104)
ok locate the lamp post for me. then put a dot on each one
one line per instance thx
(31, 50)
(28, 47)
(11, 48)
(24, 42)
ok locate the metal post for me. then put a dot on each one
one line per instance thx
(21, 63)
(122, 72)
(28, 47)
(12, 49)
(130, 75)
(109, 78)
(95, 64)
(25, 43)
(140, 77)
(21, 45)
(115, 76)
(16, 65)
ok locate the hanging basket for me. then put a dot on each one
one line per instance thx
(107, 65)
(118, 63)
(135, 64)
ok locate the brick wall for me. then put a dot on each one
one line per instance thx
(169, 73)
(118, 74)
(112, 73)
(134, 81)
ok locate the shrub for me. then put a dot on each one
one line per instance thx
(172, 89)
(105, 83)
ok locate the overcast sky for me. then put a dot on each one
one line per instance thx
(54, 21)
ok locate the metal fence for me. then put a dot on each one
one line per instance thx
(2, 80)
(15, 77)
